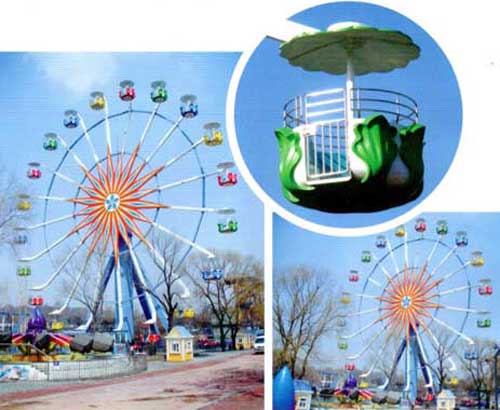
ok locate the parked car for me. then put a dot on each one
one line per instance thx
(258, 346)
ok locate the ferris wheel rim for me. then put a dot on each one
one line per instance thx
(102, 121)
(415, 240)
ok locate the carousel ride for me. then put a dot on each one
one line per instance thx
(104, 195)
(351, 149)
(415, 298)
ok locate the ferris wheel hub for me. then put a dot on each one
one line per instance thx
(406, 302)
(112, 202)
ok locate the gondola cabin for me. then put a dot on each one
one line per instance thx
(442, 227)
(363, 385)
(50, 143)
(341, 322)
(485, 320)
(213, 135)
(452, 381)
(345, 298)
(179, 345)
(420, 225)
(34, 171)
(226, 178)
(213, 274)
(477, 259)
(20, 239)
(189, 108)
(380, 242)
(461, 239)
(71, 119)
(400, 231)
(472, 355)
(23, 271)
(353, 276)
(342, 345)
(485, 288)
(347, 149)
(350, 367)
(36, 301)
(97, 101)
(158, 92)
(23, 204)
(366, 256)
(227, 223)
(127, 91)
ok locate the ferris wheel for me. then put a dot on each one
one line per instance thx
(105, 193)
(414, 297)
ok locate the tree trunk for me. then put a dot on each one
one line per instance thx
(222, 337)
(170, 316)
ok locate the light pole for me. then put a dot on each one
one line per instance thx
(495, 372)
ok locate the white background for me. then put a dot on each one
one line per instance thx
(468, 33)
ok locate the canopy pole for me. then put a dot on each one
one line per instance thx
(349, 86)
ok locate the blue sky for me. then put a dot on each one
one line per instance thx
(268, 81)
(38, 88)
(296, 247)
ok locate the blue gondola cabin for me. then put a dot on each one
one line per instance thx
(71, 119)
(189, 108)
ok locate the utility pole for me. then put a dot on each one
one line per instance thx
(495, 372)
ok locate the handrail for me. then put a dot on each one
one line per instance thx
(301, 111)
(27, 346)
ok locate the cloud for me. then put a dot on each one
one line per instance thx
(77, 72)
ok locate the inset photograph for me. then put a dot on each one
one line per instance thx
(358, 110)
(404, 318)
(131, 250)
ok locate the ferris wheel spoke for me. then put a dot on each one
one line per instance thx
(373, 339)
(384, 270)
(405, 245)
(93, 180)
(221, 211)
(56, 273)
(73, 289)
(187, 180)
(183, 239)
(106, 124)
(433, 250)
(460, 309)
(89, 140)
(50, 222)
(444, 260)
(360, 313)
(148, 124)
(362, 330)
(463, 267)
(453, 330)
(164, 139)
(456, 290)
(184, 153)
(393, 257)
(88, 190)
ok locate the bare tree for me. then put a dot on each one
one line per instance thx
(170, 286)
(304, 312)
(10, 216)
(235, 299)
(480, 369)
(86, 293)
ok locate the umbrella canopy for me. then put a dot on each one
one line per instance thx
(368, 49)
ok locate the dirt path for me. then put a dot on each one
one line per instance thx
(231, 383)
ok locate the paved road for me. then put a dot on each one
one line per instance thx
(231, 381)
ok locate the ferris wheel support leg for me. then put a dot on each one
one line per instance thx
(140, 284)
(424, 364)
(118, 296)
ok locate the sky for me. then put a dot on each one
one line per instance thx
(38, 87)
(268, 82)
(337, 256)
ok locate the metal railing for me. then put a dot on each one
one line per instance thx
(326, 151)
(330, 105)
(95, 368)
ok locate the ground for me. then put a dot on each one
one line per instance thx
(217, 382)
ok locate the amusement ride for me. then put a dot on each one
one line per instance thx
(120, 191)
(415, 296)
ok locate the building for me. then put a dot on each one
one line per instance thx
(445, 400)
(303, 394)
(179, 345)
